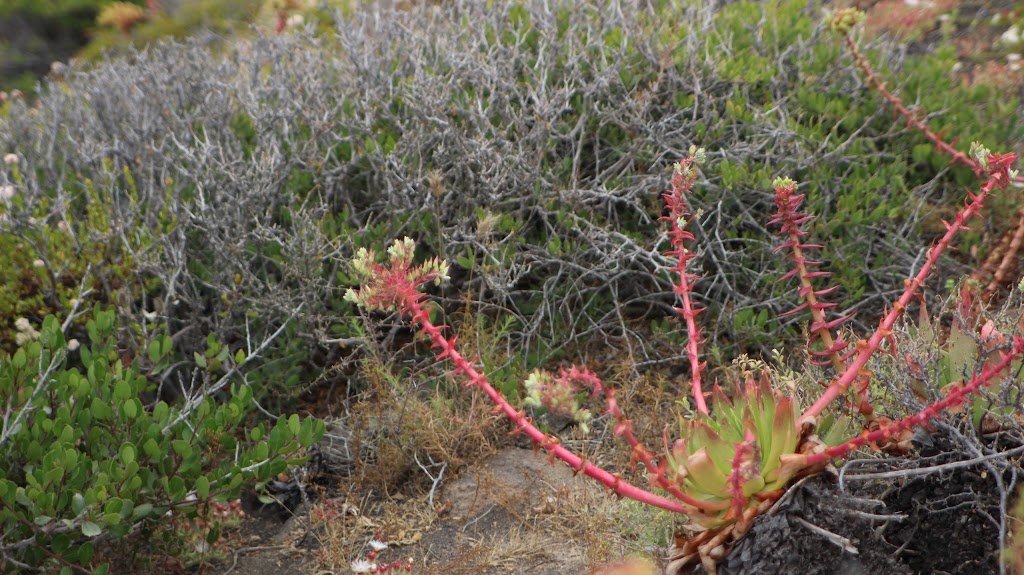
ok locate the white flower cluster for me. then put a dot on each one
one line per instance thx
(26, 332)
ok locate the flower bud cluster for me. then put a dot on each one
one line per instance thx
(559, 395)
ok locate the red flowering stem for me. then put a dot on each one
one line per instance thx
(955, 397)
(683, 178)
(913, 120)
(549, 443)
(816, 308)
(998, 178)
(624, 429)
(791, 220)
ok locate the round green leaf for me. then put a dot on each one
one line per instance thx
(203, 487)
(151, 447)
(122, 390)
(142, 511)
(100, 410)
(85, 553)
(160, 412)
(127, 453)
(182, 447)
(176, 487)
(67, 434)
(77, 503)
(20, 358)
(90, 529)
(60, 542)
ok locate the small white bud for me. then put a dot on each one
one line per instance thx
(11, 159)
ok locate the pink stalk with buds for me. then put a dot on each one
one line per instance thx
(998, 170)
(395, 287)
(684, 174)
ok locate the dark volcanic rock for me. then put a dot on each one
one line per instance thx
(793, 538)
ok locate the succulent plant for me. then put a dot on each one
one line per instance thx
(740, 456)
(734, 460)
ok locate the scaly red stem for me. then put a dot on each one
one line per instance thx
(955, 397)
(915, 121)
(624, 429)
(790, 221)
(683, 177)
(549, 443)
(912, 118)
(998, 178)
(743, 455)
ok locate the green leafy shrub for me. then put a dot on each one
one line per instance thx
(89, 459)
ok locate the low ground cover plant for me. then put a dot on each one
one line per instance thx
(88, 460)
(735, 456)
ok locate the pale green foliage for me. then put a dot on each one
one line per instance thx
(87, 457)
(844, 19)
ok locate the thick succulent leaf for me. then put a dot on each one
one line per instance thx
(761, 423)
(961, 353)
(719, 400)
(719, 449)
(834, 429)
(791, 464)
(754, 485)
(783, 432)
(727, 414)
(704, 474)
(703, 459)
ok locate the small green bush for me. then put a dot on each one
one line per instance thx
(88, 458)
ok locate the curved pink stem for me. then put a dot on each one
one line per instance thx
(954, 398)
(998, 178)
(612, 482)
